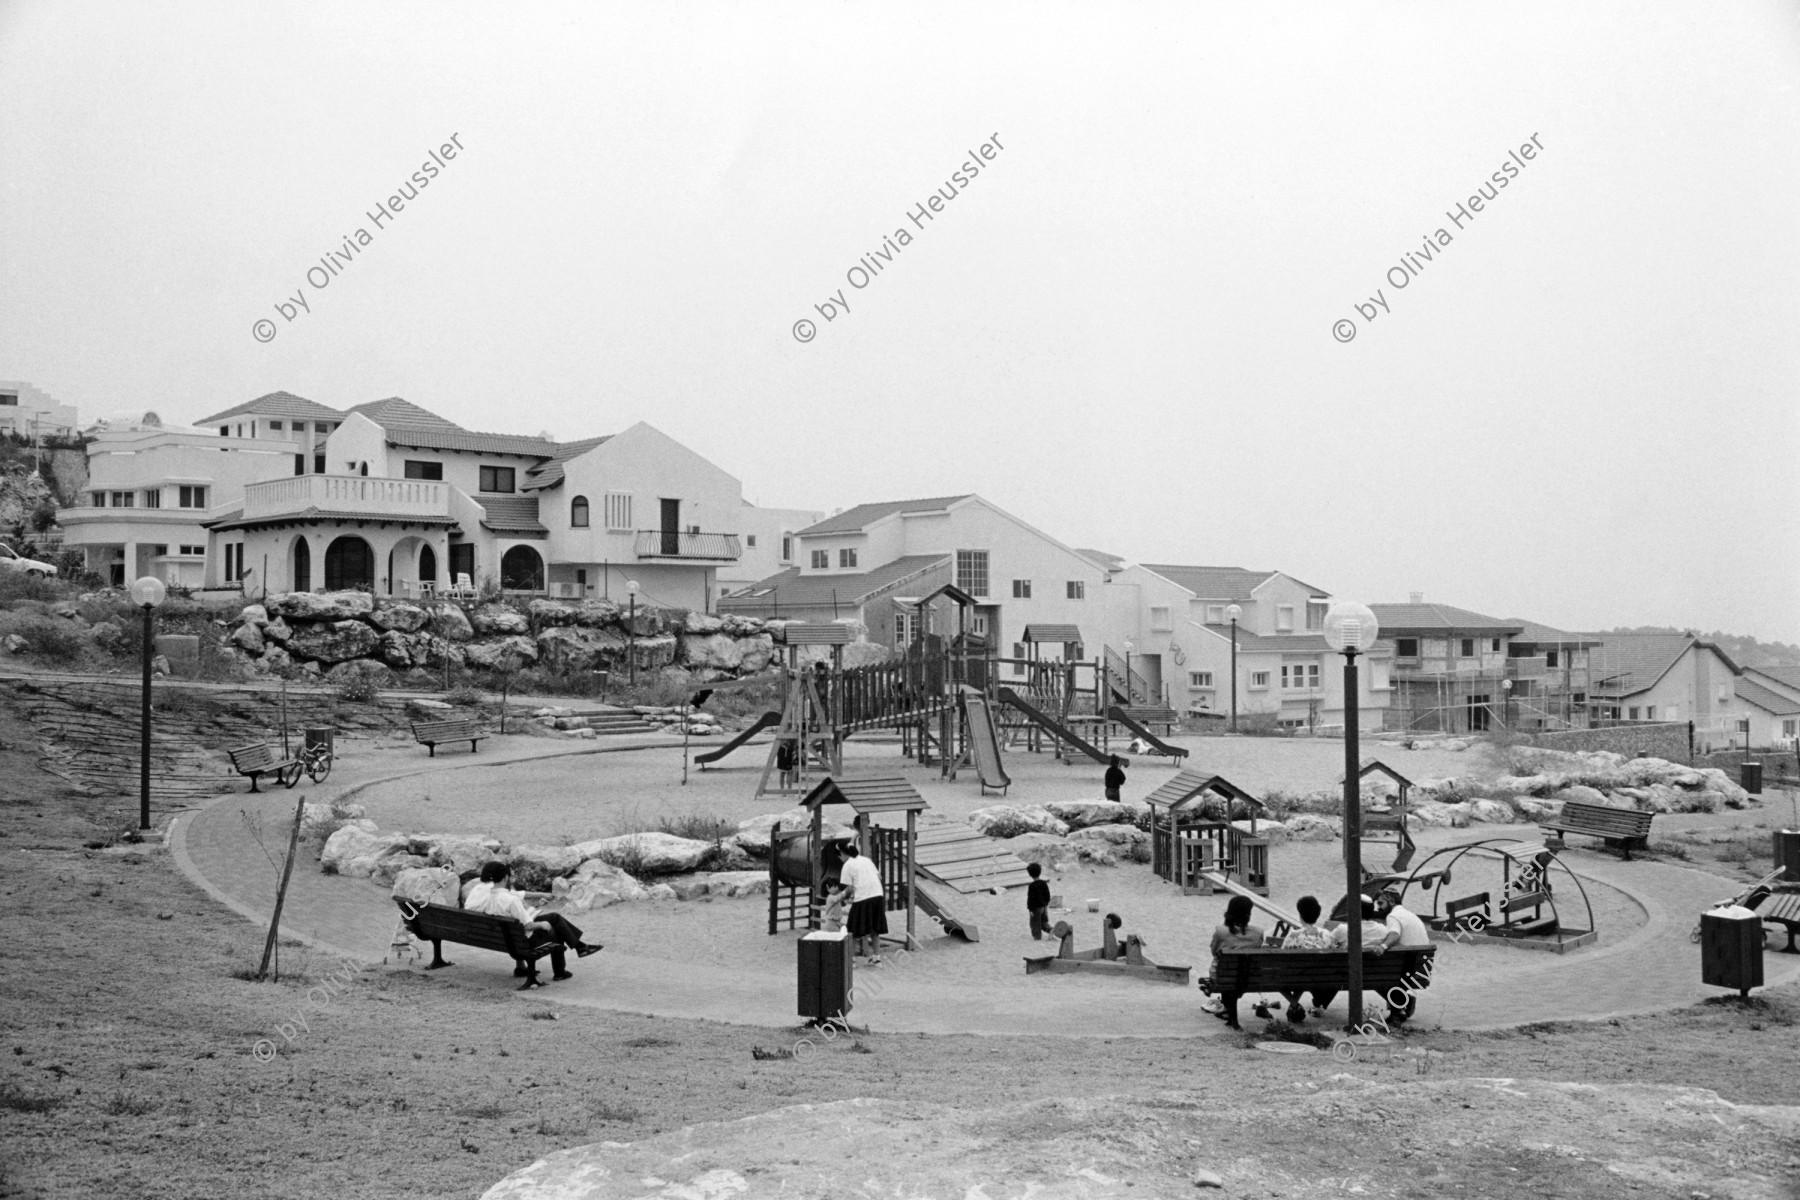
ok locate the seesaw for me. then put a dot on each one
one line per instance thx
(1285, 920)
(1111, 958)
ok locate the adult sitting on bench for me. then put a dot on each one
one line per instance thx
(494, 897)
(1237, 933)
(1405, 931)
(1374, 932)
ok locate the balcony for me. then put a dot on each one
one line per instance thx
(695, 547)
(353, 494)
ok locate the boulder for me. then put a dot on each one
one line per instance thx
(310, 669)
(314, 817)
(546, 613)
(399, 615)
(1581, 794)
(1726, 788)
(491, 619)
(320, 606)
(546, 860)
(711, 650)
(429, 651)
(661, 891)
(595, 884)
(1274, 832)
(1081, 814)
(651, 853)
(14, 644)
(740, 626)
(755, 652)
(275, 661)
(254, 614)
(1434, 813)
(361, 669)
(1494, 812)
(1310, 827)
(654, 653)
(1533, 809)
(595, 613)
(647, 623)
(754, 834)
(579, 648)
(334, 642)
(353, 849)
(427, 885)
(1010, 820)
(1112, 835)
(736, 883)
(107, 635)
(396, 650)
(277, 630)
(388, 867)
(495, 655)
(703, 623)
(449, 621)
(460, 851)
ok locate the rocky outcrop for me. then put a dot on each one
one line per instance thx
(652, 853)
(334, 641)
(491, 619)
(399, 616)
(320, 606)
(1011, 820)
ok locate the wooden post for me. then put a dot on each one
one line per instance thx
(912, 859)
(287, 870)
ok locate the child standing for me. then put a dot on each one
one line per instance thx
(1037, 902)
(833, 916)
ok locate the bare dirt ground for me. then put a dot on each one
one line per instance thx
(129, 1073)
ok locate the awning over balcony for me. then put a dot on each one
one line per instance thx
(704, 547)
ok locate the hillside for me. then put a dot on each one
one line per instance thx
(1742, 649)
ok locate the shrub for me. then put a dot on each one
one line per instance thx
(52, 639)
(701, 827)
(466, 696)
(357, 689)
(17, 585)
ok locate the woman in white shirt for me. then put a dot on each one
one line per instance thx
(868, 902)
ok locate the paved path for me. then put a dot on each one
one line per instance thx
(948, 986)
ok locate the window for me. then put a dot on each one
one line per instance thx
(9, 400)
(847, 557)
(578, 513)
(905, 624)
(750, 540)
(1315, 614)
(299, 426)
(1200, 679)
(194, 551)
(618, 510)
(1215, 614)
(99, 499)
(1159, 619)
(1495, 646)
(1634, 712)
(787, 547)
(1076, 589)
(821, 560)
(274, 426)
(1300, 676)
(1020, 666)
(160, 550)
(415, 469)
(497, 479)
(972, 571)
(152, 497)
(192, 497)
(978, 625)
(224, 431)
(1549, 658)
(1406, 647)
(126, 499)
(1650, 712)
(1284, 618)
(1790, 727)
(1467, 649)
(1021, 589)
(318, 464)
(1259, 679)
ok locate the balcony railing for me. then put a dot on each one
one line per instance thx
(347, 493)
(716, 547)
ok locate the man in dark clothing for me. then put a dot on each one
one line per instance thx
(1037, 902)
(1115, 777)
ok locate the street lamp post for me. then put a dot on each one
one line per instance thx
(1233, 613)
(631, 590)
(1350, 628)
(146, 593)
(1506, 688)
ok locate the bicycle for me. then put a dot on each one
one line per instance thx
(315, 759)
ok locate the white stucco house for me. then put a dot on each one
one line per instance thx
(28, 411)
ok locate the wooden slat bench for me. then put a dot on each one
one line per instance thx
(1291, 972)
(439, 923)
(1622, 829)
(261, 759)
(1782, 908)
(434, 733)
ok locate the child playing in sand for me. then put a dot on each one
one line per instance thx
(834, 907)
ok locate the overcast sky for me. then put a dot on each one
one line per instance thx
(1582, 409)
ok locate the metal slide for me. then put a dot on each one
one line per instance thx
(1157, 745)
(985, 743)
(763, 722)
(1055, 727)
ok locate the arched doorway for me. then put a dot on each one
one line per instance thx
(522, 570)
(349, 563)
(302, 571)
(427, 565)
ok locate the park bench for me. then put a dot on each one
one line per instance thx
(1622, 829)
(432, 733)
(261, 759)
(1290, 972)
(1782, 908)
(439, 923)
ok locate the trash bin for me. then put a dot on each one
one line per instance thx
(1731, 949)
(825, 975)
(1787, 854)
(1750, 778)
(319, 737)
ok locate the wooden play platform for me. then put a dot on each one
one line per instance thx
(965, 860)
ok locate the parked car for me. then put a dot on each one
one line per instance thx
(18, 562)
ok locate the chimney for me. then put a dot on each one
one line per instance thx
(1416, 597)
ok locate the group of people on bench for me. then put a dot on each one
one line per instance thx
(1386, 925)
(492, 894)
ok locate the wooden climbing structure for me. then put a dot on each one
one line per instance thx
(1188, 844)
